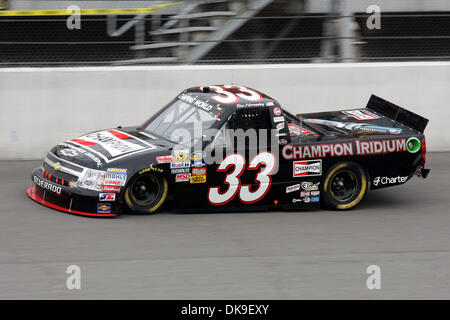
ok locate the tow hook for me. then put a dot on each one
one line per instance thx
(422, 172)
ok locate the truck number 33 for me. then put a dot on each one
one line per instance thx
(263, 178)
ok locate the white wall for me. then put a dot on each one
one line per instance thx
(41, 107)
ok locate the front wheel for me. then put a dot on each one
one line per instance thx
(146, 193)
(344, 187)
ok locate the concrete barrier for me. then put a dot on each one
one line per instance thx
(43, 106)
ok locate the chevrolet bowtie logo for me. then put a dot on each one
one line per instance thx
(56, 166)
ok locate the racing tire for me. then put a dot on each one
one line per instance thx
(344, 186)
(146, 193)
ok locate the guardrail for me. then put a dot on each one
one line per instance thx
(44, 106)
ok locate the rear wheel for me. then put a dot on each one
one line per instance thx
(344, 187)
(146, 193)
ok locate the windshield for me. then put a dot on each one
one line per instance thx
(181, 123)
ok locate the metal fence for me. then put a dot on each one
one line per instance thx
(264, 36)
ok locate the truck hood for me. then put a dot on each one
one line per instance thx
(105, 148)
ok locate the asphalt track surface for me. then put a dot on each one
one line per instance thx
(316, 254)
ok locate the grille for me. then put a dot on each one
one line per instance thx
(59, 177)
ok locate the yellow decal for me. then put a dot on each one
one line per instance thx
(198, 179)
(66, 12)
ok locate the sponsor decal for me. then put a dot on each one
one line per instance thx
(114, 142)
(194, 100)
(164, 159)
(281, 134)
(380, 146)
(115, 177)
(291, 152)
(198, 179)
(151, 168)
(182, 177)
(198, 163)
(107, 197)
(276, 111)
(250, 105)
(177, 165)
(115, 189)
(180, 159)
(47, 185)
(296, 200)
(199, 171)
(305, 194)
(180, 156)
(280, 126)
(307, 168)
(278, 119)
(103, 207)
(195, 156)
(310, 196)
(296, 130)
(310, 186)
(117, 170)
(293, 188)
(197, 159)
(175, 171)
(389, 180)
(283, 142)
(361, 114)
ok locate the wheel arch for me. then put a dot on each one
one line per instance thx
(342, 164)
(154, 169)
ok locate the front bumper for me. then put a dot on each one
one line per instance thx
(70, 199)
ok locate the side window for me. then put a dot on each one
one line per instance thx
(221, 138)
(251, 118)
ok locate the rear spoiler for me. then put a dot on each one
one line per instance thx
(397, 113)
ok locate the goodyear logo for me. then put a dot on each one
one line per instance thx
(151, 168)
(103, 208)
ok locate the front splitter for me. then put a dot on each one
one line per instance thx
(31, 192)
